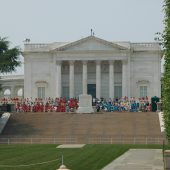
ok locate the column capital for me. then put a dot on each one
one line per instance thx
(111, 61)
(124, 61)
(71, 62)
(85, 62)
(98, 62)
(58, 62)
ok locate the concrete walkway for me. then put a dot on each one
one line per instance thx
(71, 146)
(138, 159)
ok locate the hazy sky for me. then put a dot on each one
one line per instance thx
(69, 20)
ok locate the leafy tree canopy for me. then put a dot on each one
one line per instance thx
(166, 78)
(9, 58)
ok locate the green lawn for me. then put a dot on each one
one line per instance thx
(91, 157)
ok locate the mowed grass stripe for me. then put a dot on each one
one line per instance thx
(90, 157)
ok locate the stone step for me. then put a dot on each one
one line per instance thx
(116, 125)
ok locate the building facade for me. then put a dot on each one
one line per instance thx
(12, 86)
(92, 66)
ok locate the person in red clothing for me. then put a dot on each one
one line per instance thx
(62, 105)
(24, 107)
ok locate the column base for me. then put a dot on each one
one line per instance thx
(85, 104)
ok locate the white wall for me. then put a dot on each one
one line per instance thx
(145, 67)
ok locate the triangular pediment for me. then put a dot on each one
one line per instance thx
(90, 43)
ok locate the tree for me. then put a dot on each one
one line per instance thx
(9, 58)
(166, 78)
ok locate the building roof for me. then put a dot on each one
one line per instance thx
(12, 77)
(60, 46)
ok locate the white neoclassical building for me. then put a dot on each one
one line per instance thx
(92, 66)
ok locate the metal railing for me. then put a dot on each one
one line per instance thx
(126, 140)
(87, 140)
(22, 140)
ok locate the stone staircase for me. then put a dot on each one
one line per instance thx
(115, 127)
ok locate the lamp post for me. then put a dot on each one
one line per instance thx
(62, 167)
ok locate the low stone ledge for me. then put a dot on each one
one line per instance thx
(162, 128)
(3, 121)
(71, 146)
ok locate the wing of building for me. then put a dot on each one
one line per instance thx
(94, 66)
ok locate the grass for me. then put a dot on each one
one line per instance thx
(91, 157)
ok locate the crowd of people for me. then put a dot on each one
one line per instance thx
(124, 104)
(42, 105)
(62, 105)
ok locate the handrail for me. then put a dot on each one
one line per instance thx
(75, 140)
(36, 140)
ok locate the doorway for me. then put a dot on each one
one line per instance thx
(91, 89)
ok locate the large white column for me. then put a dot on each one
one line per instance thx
(71, 77)
(28, 78)
(84, 77)
(53, 80)
(111, 79)
(58, 78)
(129, 78)
(124, 78)
(98, 79)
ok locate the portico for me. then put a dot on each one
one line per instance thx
(86, 76)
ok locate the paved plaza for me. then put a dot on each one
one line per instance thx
(138, 159)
